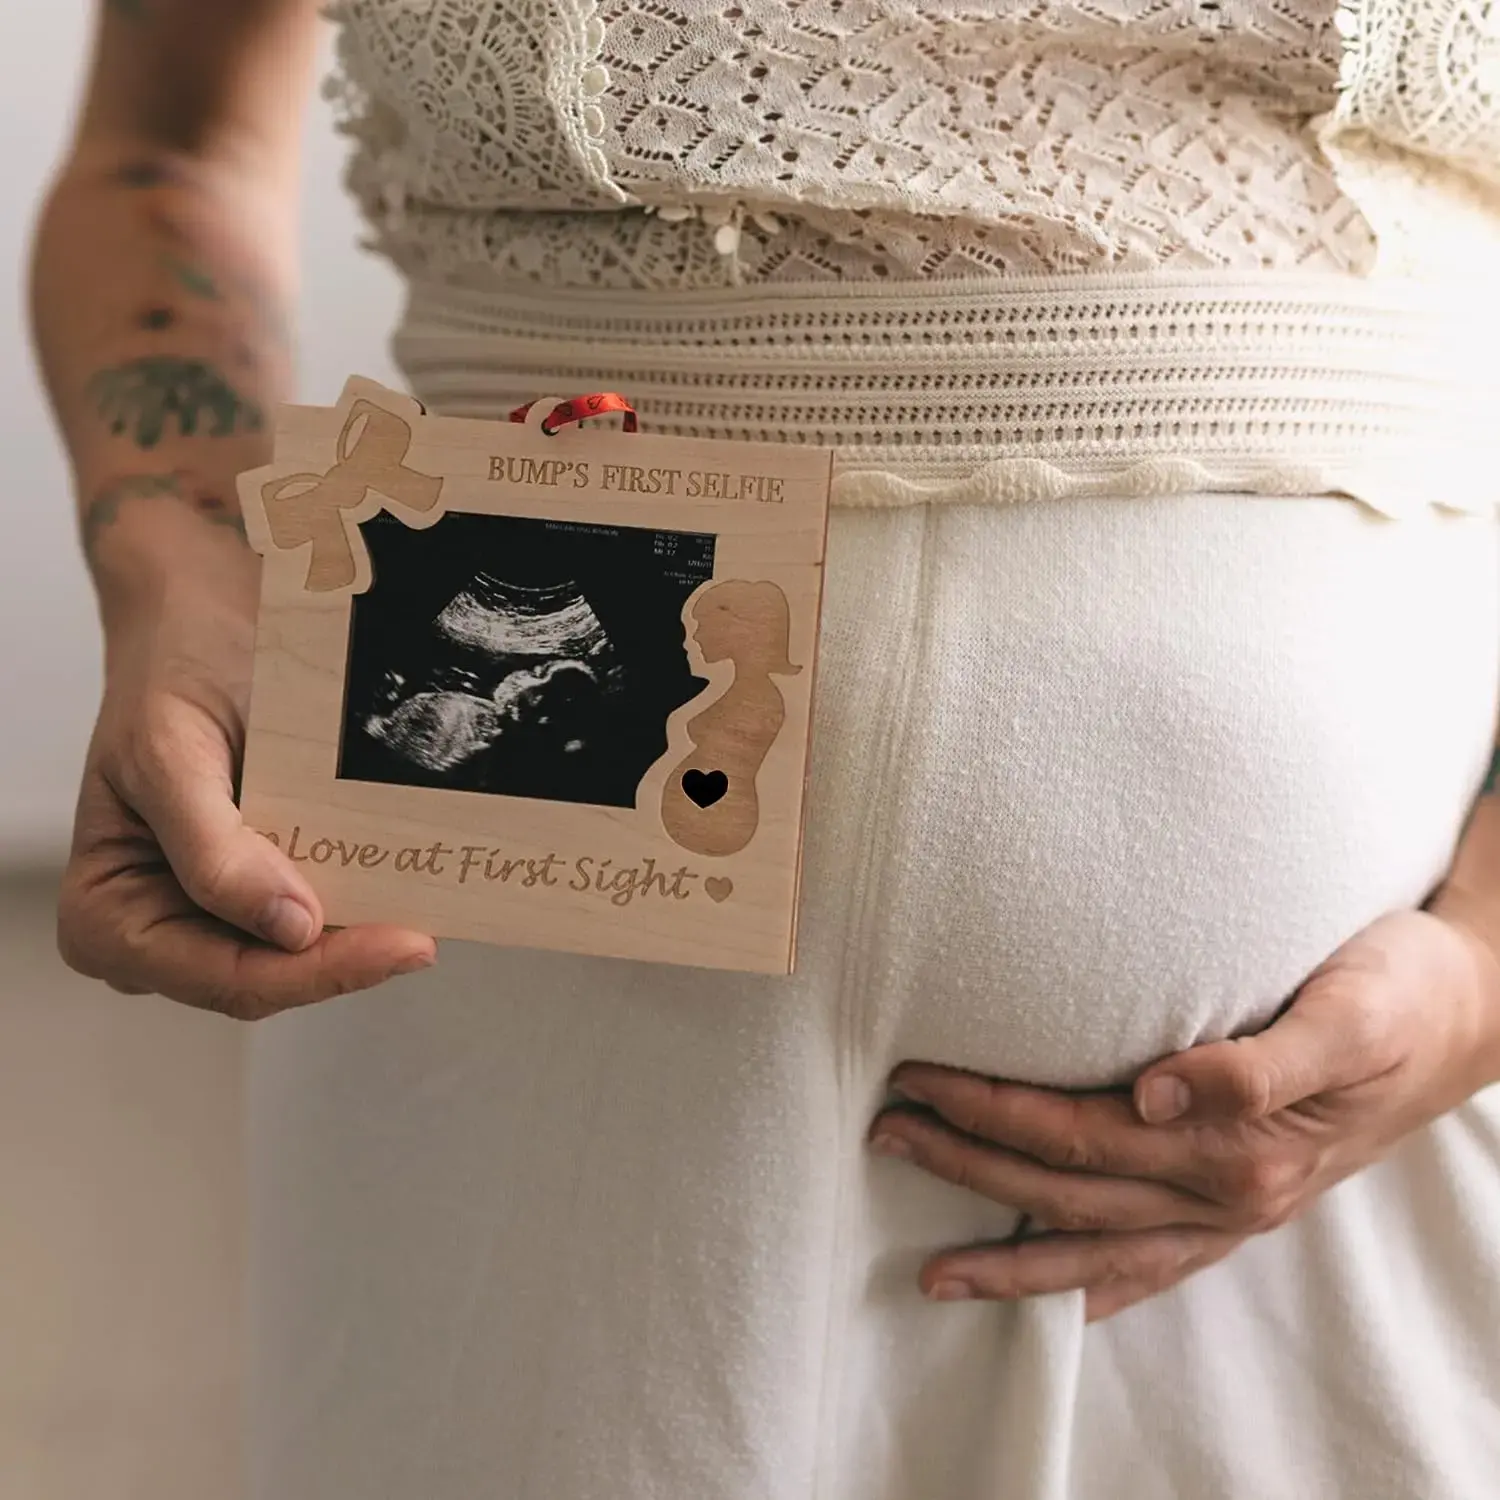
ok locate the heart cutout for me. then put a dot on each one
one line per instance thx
(705, 787)
(719, 889)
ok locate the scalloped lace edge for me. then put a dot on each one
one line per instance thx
(1393, 493)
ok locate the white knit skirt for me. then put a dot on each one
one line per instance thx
(1095, 779)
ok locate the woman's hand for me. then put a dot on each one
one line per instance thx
(1220, 1142)
(167, 890)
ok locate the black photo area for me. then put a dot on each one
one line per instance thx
(519, 657)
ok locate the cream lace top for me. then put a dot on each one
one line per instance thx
(791, 220)
(694, 143)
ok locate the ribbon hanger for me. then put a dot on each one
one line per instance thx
(580, 409)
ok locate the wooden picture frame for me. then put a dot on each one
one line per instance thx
(539, 689)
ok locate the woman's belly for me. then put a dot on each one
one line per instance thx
(1096, 780)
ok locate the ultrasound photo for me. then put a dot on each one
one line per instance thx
(520, 657)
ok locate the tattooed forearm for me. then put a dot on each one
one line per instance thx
(160, 262)
(144, 398)
(104, 509)
(196, 258)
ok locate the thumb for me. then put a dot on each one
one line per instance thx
(1304, 1053)
(185, 795)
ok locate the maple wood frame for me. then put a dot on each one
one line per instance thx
(732, 911)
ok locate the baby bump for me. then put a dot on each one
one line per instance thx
(1097, 780)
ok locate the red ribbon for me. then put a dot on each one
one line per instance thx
(580, 409)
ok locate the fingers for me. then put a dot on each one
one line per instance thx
(1085, 1162)
(142, 935)
(1070, 1132)
(124, 918)
(199, 963)
(1319, 1045)
(1058, 1200)
(1366, 1011)
(1105, 1301)
(1115, 1270)
(179, 778)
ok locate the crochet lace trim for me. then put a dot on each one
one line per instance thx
(1069, 385)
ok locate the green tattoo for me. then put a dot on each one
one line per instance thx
(105, 506)
(194, 280)
(1492, 776)
(144, 174)
(265, 306)
(104, 509)
(146, 396)
(132, 10)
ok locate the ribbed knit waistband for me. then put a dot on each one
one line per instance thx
(1388, 391)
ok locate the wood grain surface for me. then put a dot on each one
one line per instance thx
(704, 869)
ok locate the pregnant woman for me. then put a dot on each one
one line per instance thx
(1150, 915)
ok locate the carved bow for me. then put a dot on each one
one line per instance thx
(304, 508)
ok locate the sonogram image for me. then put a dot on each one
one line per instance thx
(519, 657)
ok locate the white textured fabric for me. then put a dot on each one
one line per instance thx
(1092, 782)
(874, 139)
(1024, 390)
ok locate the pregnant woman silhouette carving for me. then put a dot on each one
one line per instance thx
(710, 804)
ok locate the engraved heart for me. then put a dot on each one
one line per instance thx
(705, 787)
(718, 888)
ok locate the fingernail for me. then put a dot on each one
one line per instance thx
(288, 924)
(892, 1145)
(1164, 1099)
(950, 1291)
(414, 965)
(907, 1090)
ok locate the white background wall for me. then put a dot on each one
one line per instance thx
(48, 640)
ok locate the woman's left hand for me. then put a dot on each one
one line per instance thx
(1226, 1140)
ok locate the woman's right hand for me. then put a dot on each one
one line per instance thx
(167, 891)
